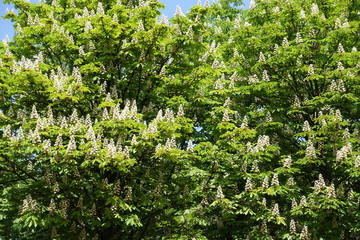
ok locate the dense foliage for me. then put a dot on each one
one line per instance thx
(116, 123)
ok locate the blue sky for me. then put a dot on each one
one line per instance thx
(6, 26)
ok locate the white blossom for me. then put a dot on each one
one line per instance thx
(275, 211)
(170, 143)
(310, 150)
(94, 148)
(351, 194)
(180, 112)
(293, 204)
(29, 204)
(298, 38)
(111, 149)
(319, 184)
(252, 4)
(340, 48)
(20, 134)
(90, 134)
(189, 33)
(152, 128)
(140, 26)
(265, 183)
(255, 167)
(338, 115)
(63, 123)
(35, 136)
(303, 202)
(345, 24)
(58, 141)
(357, 162)
(302, 14)
(285, 42)
(344, 152)
(226, 117)
(7, 132)
(34, 114)
(275, 180)
(219, 193)
(287, 163)
(304, 233)
(292, 227)
(262, 57)
(306, 127)
(314, 9)
(88, 26)
(77, 75)
(47, 146)
(265, 76)
(330, 191)
(248, 185)
(100, 8)
(81, 51)
(179, 11)
(190, 146)
(71, 145)
(311, 70)
(346, 134)
(169, 115)
(244, 124)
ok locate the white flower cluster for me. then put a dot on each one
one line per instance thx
(304, 233)
(314, 9)
(179, 11)
(346, 134)
(303, 202)
(265, 183)
(310, 150)
(285, 42)
(293, 204)
(29, 204)
(170, 143)
(59, 77)
(292, 226)
(129, 112)
(264, 228)
(29, 64)
(330, 191)
(337, 85)
(253, 79)
(262, 142)
(302, 14)
(287, 163)
(219, 193)
(306, 127)
(298, 39)
(344, 152)
(248, 185)
(226, 117)
(339, 24)
(275, 211)
(190, 146)
(265, 76)
(275, 180)
(262, 57)
(7, 132)
(311, 70)
(357, 162)
(319, 184)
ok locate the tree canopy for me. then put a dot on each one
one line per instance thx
(224, 123)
